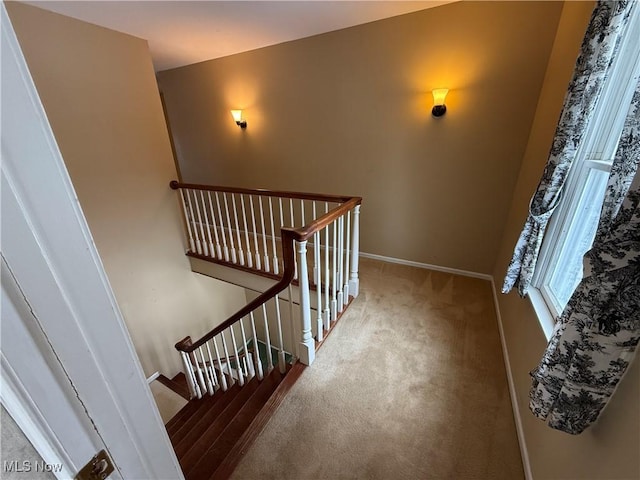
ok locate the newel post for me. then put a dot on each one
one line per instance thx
(187, 363)
(354, 281)
(307, 344)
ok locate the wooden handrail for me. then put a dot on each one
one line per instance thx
(269, 193)
(187, 341)
(288, 256)
(288, 236)
(306, 232)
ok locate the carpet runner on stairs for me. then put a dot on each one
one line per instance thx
(210, 434)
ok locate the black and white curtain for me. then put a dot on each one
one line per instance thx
(599, 47)
(596, 336)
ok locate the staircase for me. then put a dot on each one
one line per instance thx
(235, 388)
(211, 434)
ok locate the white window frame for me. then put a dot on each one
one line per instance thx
(595, 153)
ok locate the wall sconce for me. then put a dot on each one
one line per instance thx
(439, 108)
(237, 116)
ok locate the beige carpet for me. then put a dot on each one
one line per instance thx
(410, 385)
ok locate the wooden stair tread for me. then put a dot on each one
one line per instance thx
(207, 411)
(210, 425)
(191, 408)
(211, 435)
(209, 455)
(226, 467)
(187, 412)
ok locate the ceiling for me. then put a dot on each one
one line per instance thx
(185, 32)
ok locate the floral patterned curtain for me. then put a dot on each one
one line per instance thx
(592, 69)
(597, 335)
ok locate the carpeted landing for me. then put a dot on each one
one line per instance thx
(410, 385)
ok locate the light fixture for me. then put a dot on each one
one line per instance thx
(237, 116)
(439, 108)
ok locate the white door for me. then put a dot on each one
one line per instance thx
(70, 376)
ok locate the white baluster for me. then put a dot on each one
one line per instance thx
(235, 215)
(348, 249)
(199, 376)
(293, 224)
(246, 233)
(214, 376)
(208, 380)
(273, 238)
(281, 356)
(215, 228)
(194, 390)
(255, 232)
(340, 221)
(307, 344)
(205, 247)
(195, 226)
(244, 335)
(267, 338)
(281, 221)
(206, 221)
(318, 281)
(256, 347)
(292, 325)
(222, 230)
(235, 351)
(327, 277)
(234, 258)
(334, 273)
(226, 356)
(315, 257)
(354, 282)
(223, 377)
(249, 372)
(264, 236)
(192, 245)
(302, 218)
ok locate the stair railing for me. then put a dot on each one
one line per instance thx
(233, 226)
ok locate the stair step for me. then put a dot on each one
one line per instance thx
(213, 430)
(191, 409)
(183, 415)
(208, 453)
(227, 466)
(204, 415)
(213, 421)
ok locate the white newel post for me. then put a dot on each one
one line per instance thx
(194, 390)
(307, 343)
(353, 280)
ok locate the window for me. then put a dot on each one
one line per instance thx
(573, 225)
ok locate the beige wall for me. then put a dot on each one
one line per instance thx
(100, 94)
(348, 112)
(610, 449)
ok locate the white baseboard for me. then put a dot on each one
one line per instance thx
(428, 266)
(153, 377)
(526, 464)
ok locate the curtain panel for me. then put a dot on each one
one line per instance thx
(592, 69)
(597, 335)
